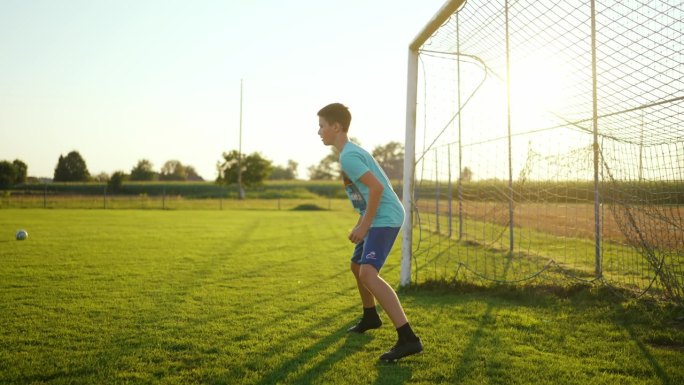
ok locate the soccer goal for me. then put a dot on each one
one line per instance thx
(545, 142)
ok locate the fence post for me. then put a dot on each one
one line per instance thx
(104, 200)
(45, 196)
(437, 192)
(450, 192)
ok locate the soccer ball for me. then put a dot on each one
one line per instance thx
(21, 235)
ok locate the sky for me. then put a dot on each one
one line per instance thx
(120, 80)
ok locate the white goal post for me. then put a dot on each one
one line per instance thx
(410, 141)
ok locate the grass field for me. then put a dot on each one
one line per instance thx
(264, 297)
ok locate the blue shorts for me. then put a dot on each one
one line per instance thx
(375, 247)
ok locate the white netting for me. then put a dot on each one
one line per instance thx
(504, 176)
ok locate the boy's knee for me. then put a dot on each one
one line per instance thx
(367, 273)
(354, 267)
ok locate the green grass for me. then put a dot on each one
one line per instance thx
(484, 251)
(264, 296)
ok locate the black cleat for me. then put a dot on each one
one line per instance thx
(364, 325)
(401, 350)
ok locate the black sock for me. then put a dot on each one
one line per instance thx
(370, 313)
(406, 334)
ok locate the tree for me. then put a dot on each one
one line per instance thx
(329, 167)
(173, 170)
(21, 170)
(391, 159)
(12, 173)
(116, 181)
(8, 174)
(192, 175)
(288, 172)
(255, 169)
(101, 177)
(143, 171)
(71, 168)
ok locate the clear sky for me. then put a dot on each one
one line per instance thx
(122, 80)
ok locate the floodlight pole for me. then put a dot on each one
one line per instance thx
(241, 191)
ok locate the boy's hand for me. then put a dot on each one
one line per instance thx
(359, 233)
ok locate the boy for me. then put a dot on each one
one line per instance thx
(381, 217)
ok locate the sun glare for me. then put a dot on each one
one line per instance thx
(539, 89)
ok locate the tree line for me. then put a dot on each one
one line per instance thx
(252, 169)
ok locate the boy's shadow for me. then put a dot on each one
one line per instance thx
(388, 373)
(350, 343)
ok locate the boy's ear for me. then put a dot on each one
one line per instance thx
(337, 126)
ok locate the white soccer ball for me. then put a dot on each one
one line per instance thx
(21, 235)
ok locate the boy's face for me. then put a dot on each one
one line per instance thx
(327, 131)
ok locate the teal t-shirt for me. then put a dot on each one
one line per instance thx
(355, 162)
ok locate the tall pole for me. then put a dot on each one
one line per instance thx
(511, 237)
(409, 166)
(241, 192)
(460, 147)
(594, 97)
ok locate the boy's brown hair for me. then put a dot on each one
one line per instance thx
(336, 113)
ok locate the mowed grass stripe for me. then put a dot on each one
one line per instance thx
(265, 297)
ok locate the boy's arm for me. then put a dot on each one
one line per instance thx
(375, 189)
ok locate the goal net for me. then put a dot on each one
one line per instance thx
(545, 142)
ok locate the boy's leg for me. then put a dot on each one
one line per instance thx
(366, 296)
(370, 319)
(408, 343)
(383, 292)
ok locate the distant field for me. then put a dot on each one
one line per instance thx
(146, 202)
(571, 219)
(192, 190)
(263, 296)
(172, 195)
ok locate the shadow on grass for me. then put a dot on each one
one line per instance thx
(470, 358)
(648, 356)
(646, 313)
(526, 293)
(58, 375)
(392, 373)
(279, 374)
(620, 318)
